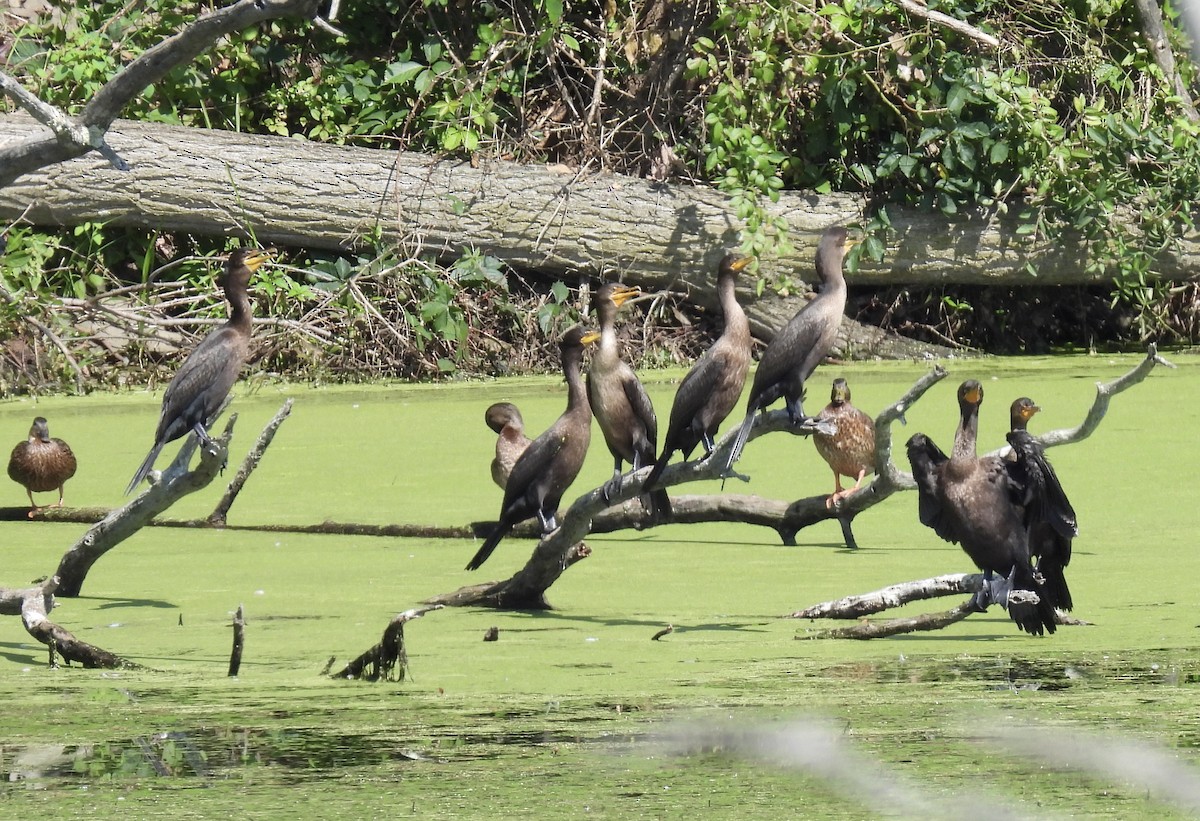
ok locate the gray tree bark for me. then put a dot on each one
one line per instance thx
(547, 218)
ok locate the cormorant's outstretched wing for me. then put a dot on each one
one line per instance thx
(926, 460)
(1043, 495)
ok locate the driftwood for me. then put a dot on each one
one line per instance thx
(176, 481)
(389, 659)
(563, 547)
(179, 479)
(854, 607)
(36, 604)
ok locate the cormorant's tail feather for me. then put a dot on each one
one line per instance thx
(489, 545)
(743, 436)
(657, 504)
(1034, 619)
(146, 466)
(659, 467)
(1056, 584)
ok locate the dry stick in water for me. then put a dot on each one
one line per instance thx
(239, 641)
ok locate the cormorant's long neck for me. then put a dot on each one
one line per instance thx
(967, 433)
(606, 350)
(239, 303)
(736, 324)
(829, 268)
(576, 389)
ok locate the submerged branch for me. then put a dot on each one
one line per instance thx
(387, 660)
(221, 511)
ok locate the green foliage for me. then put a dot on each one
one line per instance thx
(1068, 124)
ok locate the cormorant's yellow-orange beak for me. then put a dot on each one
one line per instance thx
(741, 263)
(1027, 411)
(257, 258)
(591, 336)
(623, 293)
(974, 394)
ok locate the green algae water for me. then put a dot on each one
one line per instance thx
(563, 715)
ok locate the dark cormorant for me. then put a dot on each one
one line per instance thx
(987, 506)
(505, 419)
(850, 449)
(552, 461)
(205, 378)
(801, 344)
(712, 387)
(1049, 514)
(620, 403)
(41, 464)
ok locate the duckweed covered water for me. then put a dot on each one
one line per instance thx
(564, 716)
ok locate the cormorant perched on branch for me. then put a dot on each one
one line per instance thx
(1049, 515)
(988, 505)
(712, 387)
(40, 464)
(619, 402)
(205, 378)
(850, 449)
(551, 462)
(801, 344)
(505, 419)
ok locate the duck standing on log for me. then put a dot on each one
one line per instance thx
(205, 378)
(620, 403)
(41, 464)
(989, 506)
(505, 419)
(850, 449)
(550, 464)
(801, 345)
(713, 386)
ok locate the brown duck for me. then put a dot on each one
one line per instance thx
(713, 386)
(551, 462)
(205, 378)
(620, 403)
(802, 344)
(850, 449)
(505, 419)
(41, 464)
(989, 506)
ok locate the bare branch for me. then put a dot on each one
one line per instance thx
(73, 138)
(221, 511)
(953, 23)
(855, 607)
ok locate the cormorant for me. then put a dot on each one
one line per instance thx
(987, 505)
(1049, 514)
(552, 461)
(205, 378)
(40, 464)
(801, 344)
(505, 419)
(850, 449)
(620, 403)
(712, 387)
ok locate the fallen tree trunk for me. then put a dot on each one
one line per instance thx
(547, 218)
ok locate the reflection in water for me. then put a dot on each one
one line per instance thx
(209, 753)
